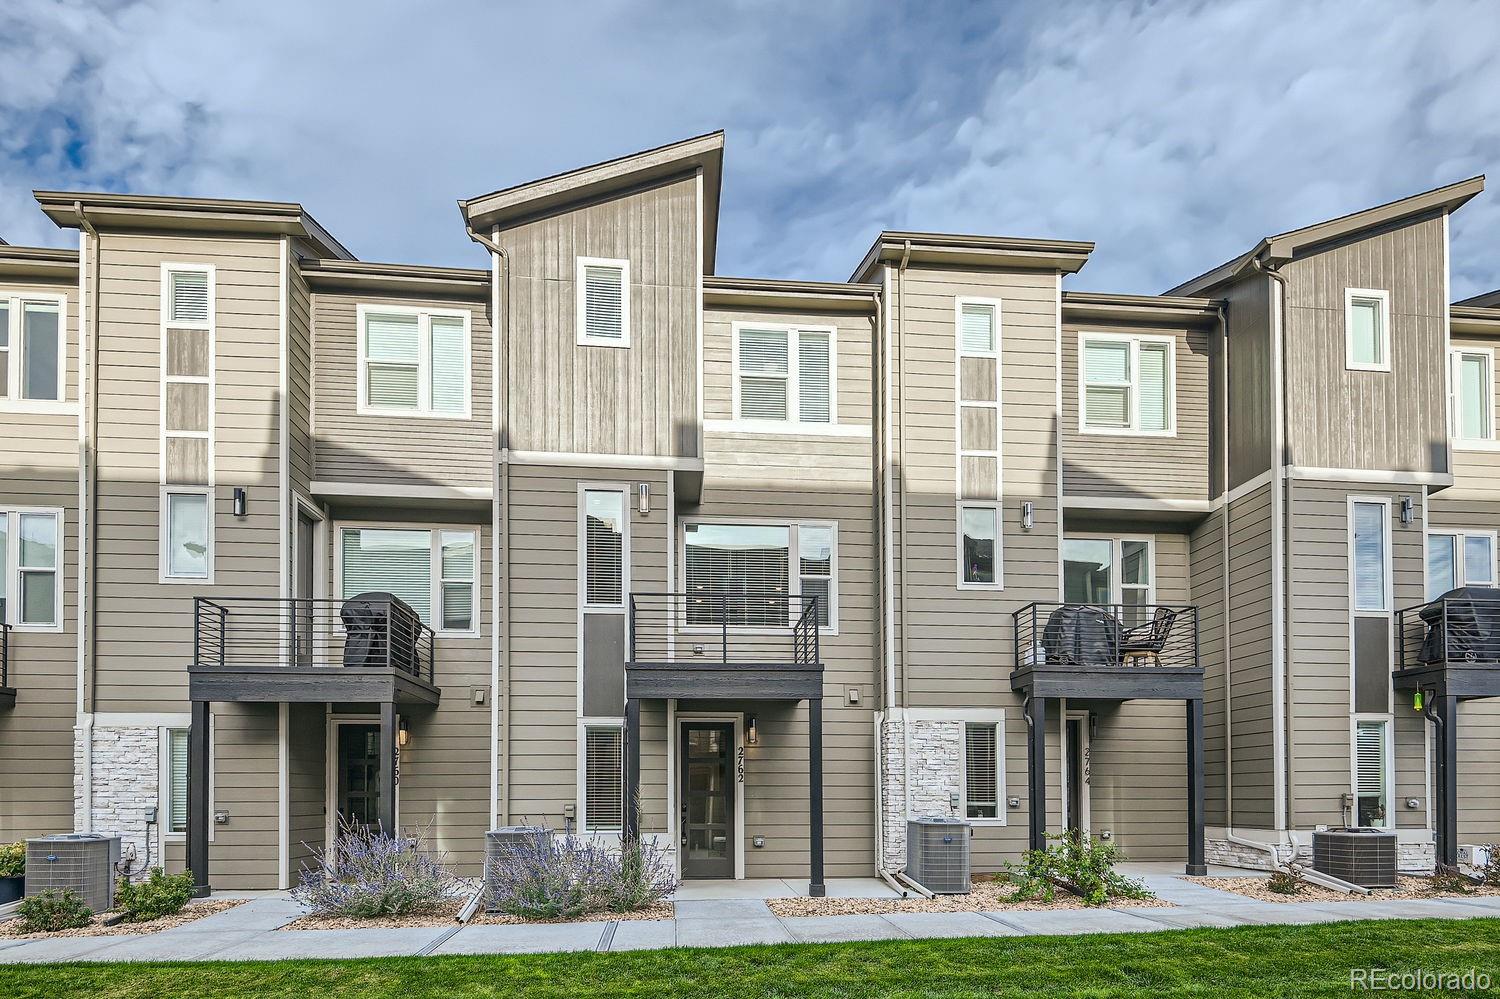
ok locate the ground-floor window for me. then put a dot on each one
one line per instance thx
(1372, 772)
(603, 805)
(176, 780)
(981, 770)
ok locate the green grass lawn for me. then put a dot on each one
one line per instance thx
(1257, 962)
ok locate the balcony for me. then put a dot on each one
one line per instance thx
(1450, 647)
(1107, 651)
(7, 692)
(369, 649)
(729, 646)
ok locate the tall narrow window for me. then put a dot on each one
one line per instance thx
(981, 770)
(457, 562)
(187, 389)
(1473, 395)
(604, 772)
(1127, 384)
(40, 594)
(189, 535)
(815, 561)
(979, 530)
(814, 371)
(785, 375)
(1367, 329)
(1371, 776)
(177, 780)
(604, 548)
(1370, 551)
(1135, 582)
(5, 349)
(603, 302)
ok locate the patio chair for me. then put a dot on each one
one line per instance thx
(1146, 641)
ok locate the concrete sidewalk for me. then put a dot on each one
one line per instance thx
(252, 931)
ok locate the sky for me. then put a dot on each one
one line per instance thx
(1174, 135)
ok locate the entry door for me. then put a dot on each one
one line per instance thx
(708, 819)
(305, 548)
(357, 793)
(1078, 774)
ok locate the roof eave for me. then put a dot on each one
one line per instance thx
(418, 279)
(1140, 309)
(770, 293)
(38, 262)
(1064, 256)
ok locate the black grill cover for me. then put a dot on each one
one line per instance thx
(1080, 635)
(1473, 626)
(371, 620)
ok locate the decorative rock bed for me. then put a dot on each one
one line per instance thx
(985, 895)
(1406, 888)
(193, 911)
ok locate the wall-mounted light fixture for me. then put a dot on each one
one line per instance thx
(643, 490)
(241, 501)
(752, 734)
(403, 734)
(1028, 515)
(1406, 511)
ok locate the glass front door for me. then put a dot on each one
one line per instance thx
(708, 820)
(358, 769)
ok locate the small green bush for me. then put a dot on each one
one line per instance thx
(1287, 880)
(52, 911)
(12, 860)
(1077, 862)
(1449, 881)
(161, 894)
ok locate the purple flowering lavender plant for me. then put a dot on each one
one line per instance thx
(563, 877)
(367, 874)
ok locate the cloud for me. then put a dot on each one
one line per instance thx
(1173, 135)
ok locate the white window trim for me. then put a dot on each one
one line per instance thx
(1135, 340)
(958, 545)
(1387, 598)
(164, 532)
(794, 421)
(958, 320)
(998, 720)
(1461, 558)
(1388, 762)
(10, 561)
(1384, 297)
(582, 793)
(435, 567)
(1116, 560)
(164, 784)
(625, 491)
(211, 328)
(581, 305)
(1455, 355)
(424, 317)
(11, 401)
(794, 567)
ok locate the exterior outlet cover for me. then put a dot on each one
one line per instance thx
(1106, 834)
(477, 696)
(1014, 801)
(853, 695)
(221, 817)
(758, 842)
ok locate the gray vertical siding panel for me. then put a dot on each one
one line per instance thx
(1250, 661)
(1251, 396)
(1206, 591)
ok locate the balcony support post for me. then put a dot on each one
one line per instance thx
(386, 806)
(197, 804)
(1036, 762)
(632, 779)
(815, 887)
(1195, 864)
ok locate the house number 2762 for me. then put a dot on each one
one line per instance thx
(739, 765)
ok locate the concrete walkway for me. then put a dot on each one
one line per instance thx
(252, 931)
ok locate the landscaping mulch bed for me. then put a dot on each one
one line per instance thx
(985, 895)
(10, 929)
(1406, 888)
(444, 915)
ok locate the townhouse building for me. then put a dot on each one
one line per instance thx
(758, 568)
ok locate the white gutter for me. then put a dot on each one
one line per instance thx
(88, 335)
(901, 579)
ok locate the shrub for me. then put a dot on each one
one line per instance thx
(1288, 880)
(366, 874)
(51, 911)
(1449, 881)
(161, 894)
(1490, 872)
(12, 860)
(547, 877)
(1080, 864)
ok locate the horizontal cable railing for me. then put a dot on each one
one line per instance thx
(295, 632)
(725, 629)
(1095, 635)
(1462, 626)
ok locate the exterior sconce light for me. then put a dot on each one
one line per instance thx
(643, 490)
(752, 735)
(403, 735)
(1028, 515)
(1406, 511)
(241, 501)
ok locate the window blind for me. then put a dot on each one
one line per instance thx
(1107, 381)
(1370, 778)
(449, 375)
(981, 771)
(389, 561)
(189, 297)
(813, 372)
(604, 543)
(1442, 552)
(1479, 560)
(392, 356)
(977, 329)
(1369, 557)
(39, 351)
(815, 565)
(603, 768)
(763, 374)
(457, 567)
(4, 348)
(1155, 392)
(603, 306)
(1365, 335)
(177, 780)
(738, 559)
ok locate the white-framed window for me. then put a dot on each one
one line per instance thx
(31, 585)
(435, 570)
(604, 537)
(784, 374)
(979, 548)
(174, 794)
(601, 785)
(33, 347)
(739, 558)
(978, 327)
(414, 362)
(187, 534)
(1127, 384)
(603, 302)
(984, 778)
(1373, 777)
(188, 304)
(1473, 380)
(1111, 570)
(1370, 555)
(1367, 329)
(1459, 558)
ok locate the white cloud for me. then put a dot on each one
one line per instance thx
(1172, 134)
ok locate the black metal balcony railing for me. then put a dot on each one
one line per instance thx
(1461, 627)
(724, 629)
(1059, 635)
(272, 632)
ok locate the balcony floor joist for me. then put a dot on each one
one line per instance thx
(687, 680)
(310, 684)
(1109, 683)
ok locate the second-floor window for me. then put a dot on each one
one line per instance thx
(30, 583)
(1370, 561)
(31, 349)
(187, 534)
(1110, 571)
(784, 374)
(414, 362)
(604, 540)
(1126, 384)
(1367, 329)
(978, 542)
(1459, 558)
(751, 565)
(1473, 382)
(435, 571)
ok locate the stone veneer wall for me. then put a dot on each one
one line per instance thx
(936, 753)
(1414, 857)
(126, 764)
